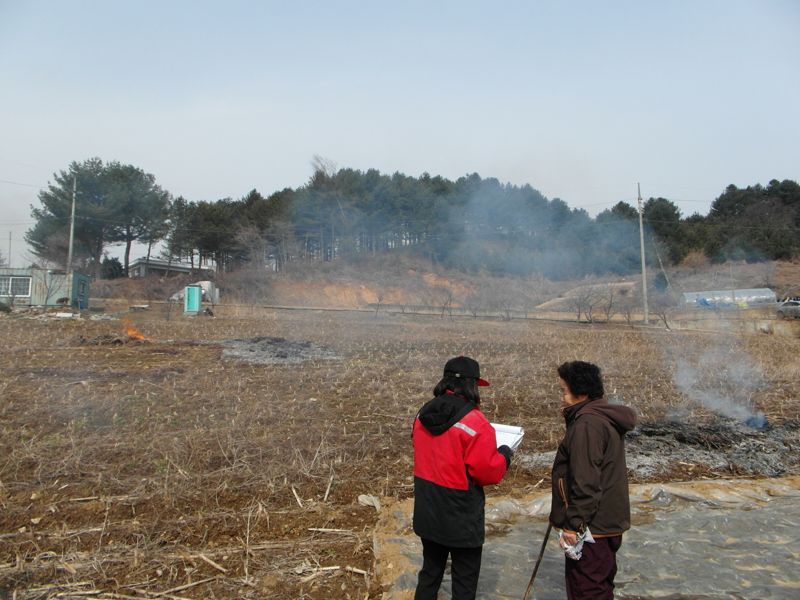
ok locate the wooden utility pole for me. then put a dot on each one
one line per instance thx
(71, 225)
(641, 251)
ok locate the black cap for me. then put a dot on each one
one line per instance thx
(464, 366)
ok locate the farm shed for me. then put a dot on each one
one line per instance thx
(43, 287)
(744, 298)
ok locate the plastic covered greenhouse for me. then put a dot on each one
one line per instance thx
(745, 298)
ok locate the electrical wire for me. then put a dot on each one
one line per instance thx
(30, 185)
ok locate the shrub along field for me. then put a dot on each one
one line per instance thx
(188, 466)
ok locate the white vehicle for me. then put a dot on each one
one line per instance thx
(789, 309)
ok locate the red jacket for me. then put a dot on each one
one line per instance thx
(455, 455)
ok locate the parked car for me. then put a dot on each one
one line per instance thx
(790, 309)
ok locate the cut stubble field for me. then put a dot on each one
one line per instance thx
(171, 467)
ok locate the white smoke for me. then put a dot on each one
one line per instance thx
(723, 380)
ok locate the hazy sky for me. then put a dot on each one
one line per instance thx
(581, 100)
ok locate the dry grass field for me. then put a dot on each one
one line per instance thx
(159, 469)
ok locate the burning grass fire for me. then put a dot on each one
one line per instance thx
(164, 468)
(131, 334)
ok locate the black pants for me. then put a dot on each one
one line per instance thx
(465, 568)
(592, 577)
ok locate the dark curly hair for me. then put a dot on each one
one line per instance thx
(582, 378)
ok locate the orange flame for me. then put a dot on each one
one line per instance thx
(132, 332)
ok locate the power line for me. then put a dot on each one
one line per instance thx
(38, 187)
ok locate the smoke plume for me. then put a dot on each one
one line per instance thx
(722, 379)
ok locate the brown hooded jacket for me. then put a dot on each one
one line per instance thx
(590, 478)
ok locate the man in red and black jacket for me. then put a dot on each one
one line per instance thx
(455, 455)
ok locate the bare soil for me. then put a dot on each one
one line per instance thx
(164, 468)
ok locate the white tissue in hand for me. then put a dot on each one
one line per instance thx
(576, 551)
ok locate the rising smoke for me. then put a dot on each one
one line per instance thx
(723, 379)
(517, 231)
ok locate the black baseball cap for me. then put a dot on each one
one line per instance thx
(464, 366)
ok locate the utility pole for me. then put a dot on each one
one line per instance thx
(8, 260)
(71, 225)
(641, 251)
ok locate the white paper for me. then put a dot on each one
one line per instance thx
(508, 435)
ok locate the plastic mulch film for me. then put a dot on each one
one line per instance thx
(714, 540)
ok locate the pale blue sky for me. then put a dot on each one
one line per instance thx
(579, 99)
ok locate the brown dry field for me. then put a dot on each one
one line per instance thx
(157, 469)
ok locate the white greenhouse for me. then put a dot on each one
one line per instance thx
(744, 298)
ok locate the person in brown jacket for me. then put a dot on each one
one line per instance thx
(590, 481)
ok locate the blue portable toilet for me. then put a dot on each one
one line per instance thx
(79, 291)
(192, 299)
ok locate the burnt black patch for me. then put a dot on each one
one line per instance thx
(267, 350)
(723, 445)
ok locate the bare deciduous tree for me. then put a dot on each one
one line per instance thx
(663, 305)
(55, 285)
(475, 303)
(608, 295)
(446, 298)
(627, 303)
(583, 301)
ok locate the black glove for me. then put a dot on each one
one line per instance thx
(507, 454)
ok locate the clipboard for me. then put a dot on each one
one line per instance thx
(508, 435)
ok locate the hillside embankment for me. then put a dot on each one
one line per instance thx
(421, 288)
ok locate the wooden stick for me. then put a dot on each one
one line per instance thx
(318, 572)
(186, 586)
(538, 561)
(161, 595)
(296, 497)
(328, 489)
(55, 586)
(212, 563)
(68, 567)
(53, 533)
(326, 530)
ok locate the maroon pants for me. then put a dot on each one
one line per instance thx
(592, 577)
